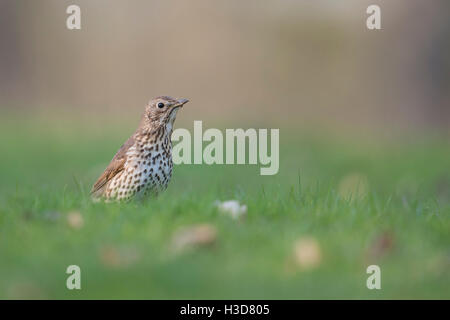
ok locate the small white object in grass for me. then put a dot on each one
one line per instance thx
(232, 207)
(307, 253)
(75, 220)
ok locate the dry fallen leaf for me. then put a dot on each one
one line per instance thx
(307, 253)
(75, 220)
(114, 257)
(194, 236)
(381, 245)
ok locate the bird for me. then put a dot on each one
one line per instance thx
(143, 164)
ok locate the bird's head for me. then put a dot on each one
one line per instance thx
(162, 111)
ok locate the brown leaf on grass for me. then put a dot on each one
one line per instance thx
(75, 220)
(114, 257)
(201, 235)
(381, 246)
(307, 253)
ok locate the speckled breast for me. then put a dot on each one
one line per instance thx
(148, 170)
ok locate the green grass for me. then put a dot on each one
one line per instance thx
(124, 250)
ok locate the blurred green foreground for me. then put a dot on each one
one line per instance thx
(336, 206)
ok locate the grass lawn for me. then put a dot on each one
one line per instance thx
(398, 218)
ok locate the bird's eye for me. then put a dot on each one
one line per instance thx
(160, 105)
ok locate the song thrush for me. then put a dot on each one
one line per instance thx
(143, 165)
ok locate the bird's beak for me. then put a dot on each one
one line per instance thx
(180, 102)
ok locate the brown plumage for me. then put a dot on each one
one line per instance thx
(143, 164)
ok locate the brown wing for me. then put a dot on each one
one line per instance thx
(115, 166)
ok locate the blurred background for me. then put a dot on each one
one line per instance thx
(273, 63)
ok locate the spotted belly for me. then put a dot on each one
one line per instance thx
(144, 174)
